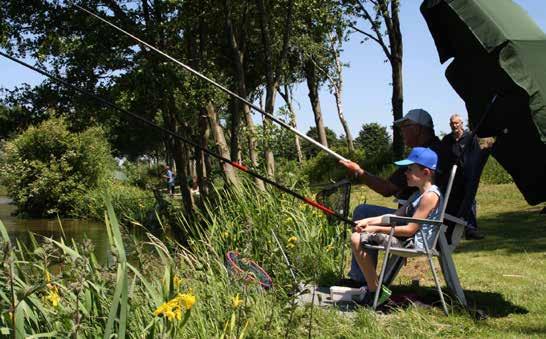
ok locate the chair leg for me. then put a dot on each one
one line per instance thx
(436, 281)
(450, 273)
(383, 269)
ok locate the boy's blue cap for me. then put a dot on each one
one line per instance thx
(422, 156)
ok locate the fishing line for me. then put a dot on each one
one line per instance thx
(224, 89)
(237, 165)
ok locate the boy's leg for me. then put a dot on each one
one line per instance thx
(361, 212)
(365, 262)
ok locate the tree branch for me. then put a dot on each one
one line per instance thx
(375, 28)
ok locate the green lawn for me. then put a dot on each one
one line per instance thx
(503, 275)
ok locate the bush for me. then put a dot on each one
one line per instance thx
(324, 168)
(47, 169)
(139, 174)
(130, 203)
(494, 173)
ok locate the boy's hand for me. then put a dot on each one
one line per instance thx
(361, 225)
(353, 167)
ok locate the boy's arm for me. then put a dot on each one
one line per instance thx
(426, 205)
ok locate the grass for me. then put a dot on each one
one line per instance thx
(503, 275)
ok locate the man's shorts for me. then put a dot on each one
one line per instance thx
(379, 239)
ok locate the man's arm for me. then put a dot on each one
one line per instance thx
(378, 184)
(382, 186)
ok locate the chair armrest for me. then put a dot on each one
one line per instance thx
(390, 219)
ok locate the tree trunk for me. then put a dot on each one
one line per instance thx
(203, 161)
(338, 94)
(271, 91)
(287, 96)
(238, 56)
(272, 71)
(229, 174)
(394, 52)
(180, 159)
(395, 39)
(312, 85)
(397, 107)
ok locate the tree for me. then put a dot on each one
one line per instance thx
(379, 14)
(374, 139)
(273, 59)
(310, 150)
(47, 168)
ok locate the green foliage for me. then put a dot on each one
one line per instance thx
(310, 150)
(141, 175)
(325, 168)
(131, 203)
(494, 173)
(47, 169)
(376, 143)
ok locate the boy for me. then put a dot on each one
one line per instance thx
(424, 204)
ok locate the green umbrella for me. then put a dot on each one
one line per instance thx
(499, 70)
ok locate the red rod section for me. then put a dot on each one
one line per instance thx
(239, 166)
(319, 206)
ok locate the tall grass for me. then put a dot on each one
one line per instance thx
(159, 289)
(58, 289)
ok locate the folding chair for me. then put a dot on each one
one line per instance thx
(394, 220)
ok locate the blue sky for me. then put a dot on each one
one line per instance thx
(367, 91)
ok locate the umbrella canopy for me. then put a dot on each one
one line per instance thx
(499, 70)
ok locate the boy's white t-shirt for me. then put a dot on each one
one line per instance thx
(429, 231)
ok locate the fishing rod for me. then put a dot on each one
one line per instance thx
(237, 165)
(224, 89)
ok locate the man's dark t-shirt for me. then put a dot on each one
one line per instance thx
(398, 178)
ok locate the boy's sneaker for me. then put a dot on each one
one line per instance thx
(384, 295)
(368, 297)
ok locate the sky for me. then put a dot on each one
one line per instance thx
(367, 92)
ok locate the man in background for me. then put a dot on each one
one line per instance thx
(462, 148)
(169, 175)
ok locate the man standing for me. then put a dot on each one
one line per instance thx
(169, 175)
(462, 148)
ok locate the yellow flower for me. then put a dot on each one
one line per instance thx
(187, 300)
(225, 234)
(290, 245)
(172, 309)
(177, 281)
(53, 297)
(170, 315)
(293, 239)
(236, 301)
(47, 277)
(329, 248)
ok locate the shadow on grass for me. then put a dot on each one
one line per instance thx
(516, 232)
(491, 303)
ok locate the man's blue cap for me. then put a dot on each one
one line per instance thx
(422, 156)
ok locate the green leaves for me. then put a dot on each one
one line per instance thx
(47, 168)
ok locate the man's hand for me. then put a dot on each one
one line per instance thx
(353, 167)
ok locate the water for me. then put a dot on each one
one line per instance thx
(78, 230)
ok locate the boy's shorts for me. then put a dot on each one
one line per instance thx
(379, 239)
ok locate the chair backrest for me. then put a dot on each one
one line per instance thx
(444, 205)
(447, 192)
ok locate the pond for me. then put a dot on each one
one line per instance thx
(19, 228)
